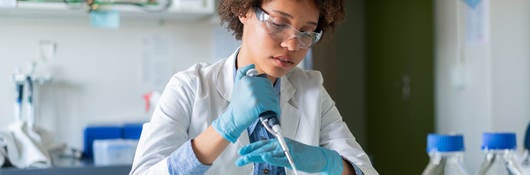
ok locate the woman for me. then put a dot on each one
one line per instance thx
(207, 117)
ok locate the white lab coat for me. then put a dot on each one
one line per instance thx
(195, 97)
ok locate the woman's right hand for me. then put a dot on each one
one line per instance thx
(251, 96)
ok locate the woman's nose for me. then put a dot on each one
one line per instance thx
(291, 44)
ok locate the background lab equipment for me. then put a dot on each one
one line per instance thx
(111, 144)
(499, 155)
(446, 154)
(24, 144)
(525, 162)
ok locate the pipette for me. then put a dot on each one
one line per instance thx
(270, 121)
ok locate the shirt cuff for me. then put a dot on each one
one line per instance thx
(184, 161)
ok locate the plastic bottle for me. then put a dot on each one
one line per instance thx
(446, 154)
(499, 155)
(525, 164)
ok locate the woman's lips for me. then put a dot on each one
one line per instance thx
(282, 61)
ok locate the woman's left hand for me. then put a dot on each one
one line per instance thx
(307, 158)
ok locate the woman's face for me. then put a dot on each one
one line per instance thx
(272, 53)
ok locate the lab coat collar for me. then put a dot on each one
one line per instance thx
(290, 117)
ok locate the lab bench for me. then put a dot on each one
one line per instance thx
(82, 170)
(71, 166)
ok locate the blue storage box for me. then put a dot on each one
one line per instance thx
(99, 132)
(132, 131)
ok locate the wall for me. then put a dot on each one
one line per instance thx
(351, 69)
(491, 89)
(97, 74)
(340, 58)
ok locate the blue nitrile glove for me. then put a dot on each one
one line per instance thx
(250, 97)
(311, 159)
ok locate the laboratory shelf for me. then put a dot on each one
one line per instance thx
(81, 170)
(29, 9)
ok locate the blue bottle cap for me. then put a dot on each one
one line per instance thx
(445, 143)
(527, 138)
(498, 140)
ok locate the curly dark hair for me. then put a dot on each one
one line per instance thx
(331, 13)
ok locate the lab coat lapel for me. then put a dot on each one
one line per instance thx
(290, 117)
(225, 84)
(225, 77)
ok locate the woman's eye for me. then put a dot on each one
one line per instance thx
(278, 24)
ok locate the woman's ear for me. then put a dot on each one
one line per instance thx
(243, 18)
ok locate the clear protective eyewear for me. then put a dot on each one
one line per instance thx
(281, 31)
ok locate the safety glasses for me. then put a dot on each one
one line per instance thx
(282, 31)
